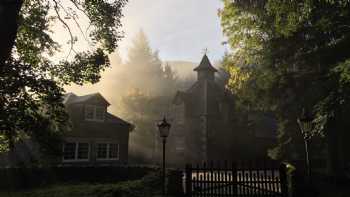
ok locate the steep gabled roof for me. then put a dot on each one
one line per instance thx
(179, 97)
(114, 119)
(205, 65)
(67, 98)
(71, 98)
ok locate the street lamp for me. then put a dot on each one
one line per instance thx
(164, 128)
(306, 125)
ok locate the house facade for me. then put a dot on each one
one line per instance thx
(97, 137)
(201, 119)
(204, 124)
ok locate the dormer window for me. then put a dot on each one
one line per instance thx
(94, 113)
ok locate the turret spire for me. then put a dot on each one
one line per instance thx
(205, 70)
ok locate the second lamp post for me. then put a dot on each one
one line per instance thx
(306, 126)
(164, 128)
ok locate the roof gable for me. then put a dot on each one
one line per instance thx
(115, 119)
(179, 97)
(95, 98)
(69, 97)
(205, 65)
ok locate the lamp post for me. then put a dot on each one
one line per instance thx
(306, 125)
(164, 128)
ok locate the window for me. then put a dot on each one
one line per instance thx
(102, 151)
(107, 151)
(179, 144)
(76, 151)
(95, 113)
(179, 112)
(69, 151)
(99, 114)
(89, 112)
(83, 151)
(113, 151)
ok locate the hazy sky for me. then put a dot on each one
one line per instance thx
(179, 29)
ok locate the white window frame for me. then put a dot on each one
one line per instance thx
(107, 153)
(94, 118)
(76, 151)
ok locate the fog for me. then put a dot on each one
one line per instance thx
(140, 89)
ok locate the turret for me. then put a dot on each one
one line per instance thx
(205, 71)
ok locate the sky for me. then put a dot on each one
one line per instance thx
(179, 29)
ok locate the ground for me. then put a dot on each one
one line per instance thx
(132, 188)
(147, 186)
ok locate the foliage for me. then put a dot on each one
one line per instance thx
(31, 106)
(32, 79)
(150, 91)
(144, 111)
(290, 55)
(146, 69)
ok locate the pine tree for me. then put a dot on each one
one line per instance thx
(150, 90)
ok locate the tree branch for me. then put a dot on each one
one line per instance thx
(79, 8)
(75, 21)
(56, 8)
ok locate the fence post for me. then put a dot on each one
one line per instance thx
(188, 179)
(234, 178)
(283, 178)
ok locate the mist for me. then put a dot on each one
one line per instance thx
(140, 89)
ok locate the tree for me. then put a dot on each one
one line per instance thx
(151, 87)
(31, 80)
(144, 111)
(291, 55)
(145, 68)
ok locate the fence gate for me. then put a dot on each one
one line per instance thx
(243, 179)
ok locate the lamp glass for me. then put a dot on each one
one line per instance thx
(305, 122)
(164, 128)
(164, 131)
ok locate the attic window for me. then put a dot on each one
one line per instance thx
(99, 113)
(94, 113)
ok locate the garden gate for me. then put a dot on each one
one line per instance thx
(243, 179)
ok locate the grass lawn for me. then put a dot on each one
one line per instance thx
(132, 188)
(144, 187)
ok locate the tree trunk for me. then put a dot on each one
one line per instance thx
(9, 12)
